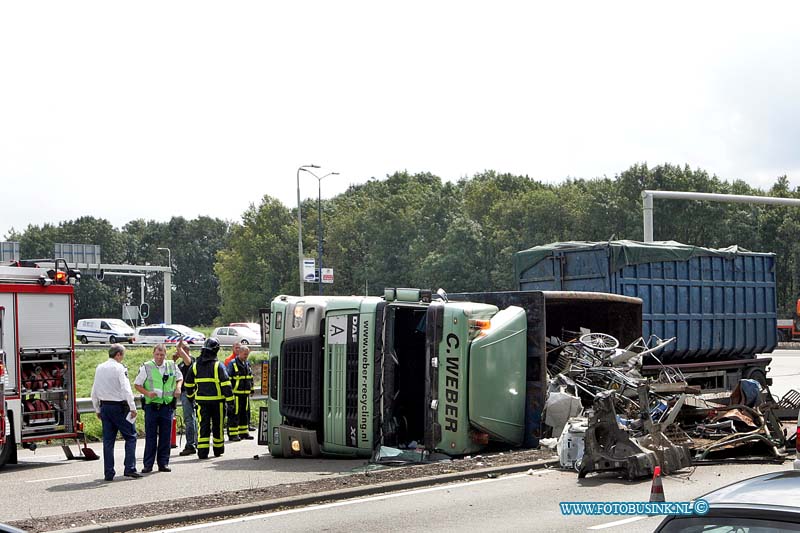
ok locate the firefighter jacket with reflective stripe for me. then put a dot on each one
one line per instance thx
(208, 381)
(156, 381)
(241, 376)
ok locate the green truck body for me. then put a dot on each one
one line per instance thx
(350, 374)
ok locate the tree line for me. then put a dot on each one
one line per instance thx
(414, 230)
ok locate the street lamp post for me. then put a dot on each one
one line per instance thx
(319, 221)
(300, 226)
(167, 288)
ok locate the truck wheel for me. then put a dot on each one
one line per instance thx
(244, 342)
(758, 375)
(112, 340)
(783, 336)
(7, 449)
(84, 340)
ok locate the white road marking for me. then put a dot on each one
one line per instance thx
(56, 478)
(347, 502)
(619, 522)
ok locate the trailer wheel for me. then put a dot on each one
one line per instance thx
(7, 449)
(758, 375)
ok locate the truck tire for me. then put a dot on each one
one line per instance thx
(756, 374)
(783, 336)
(7, 450)
(84, 340)
(112, 340)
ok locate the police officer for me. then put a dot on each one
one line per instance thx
(160, 382)
(208, 384)
(242, 378)
(113, 402)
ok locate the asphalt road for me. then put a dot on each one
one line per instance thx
(519, 502)
(48, 484)
(784, 371)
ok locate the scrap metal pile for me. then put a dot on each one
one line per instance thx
(606, 417)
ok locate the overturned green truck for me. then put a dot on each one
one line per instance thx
(448, 373)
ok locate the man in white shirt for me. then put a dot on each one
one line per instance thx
(160, 382)
(113, 402)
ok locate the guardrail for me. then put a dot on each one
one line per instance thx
(98, 346)
(85, 404)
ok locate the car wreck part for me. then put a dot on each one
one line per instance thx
(607, 447)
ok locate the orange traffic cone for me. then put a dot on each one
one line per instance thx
(657, 489)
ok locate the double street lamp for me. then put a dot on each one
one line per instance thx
(319, 221)
(300, 226)
(305, 168)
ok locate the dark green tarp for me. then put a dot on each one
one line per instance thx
(623, 253)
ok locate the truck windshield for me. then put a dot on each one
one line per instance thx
(405, 376)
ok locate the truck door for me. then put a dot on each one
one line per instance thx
(497, 361)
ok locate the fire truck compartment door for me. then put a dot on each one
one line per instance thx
(9, 345)
(45, 321)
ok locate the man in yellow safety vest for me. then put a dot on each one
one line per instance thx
(159, 380)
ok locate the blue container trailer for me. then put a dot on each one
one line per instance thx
(719, 304)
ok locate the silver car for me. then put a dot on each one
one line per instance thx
(228, 335)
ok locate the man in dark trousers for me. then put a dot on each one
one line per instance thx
(113, 402)
(159, 380)
(207, 383)
(242, 378)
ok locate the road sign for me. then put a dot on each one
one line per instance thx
(309, 271)
(327, 275)
(9, 251)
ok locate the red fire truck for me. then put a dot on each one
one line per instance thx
(37, 357)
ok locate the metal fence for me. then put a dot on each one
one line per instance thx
(85, 404)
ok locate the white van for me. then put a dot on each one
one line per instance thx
(106, 330)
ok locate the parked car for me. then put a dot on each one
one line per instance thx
(769, 502)
(108, 330)
(167, 333)
(227, 335)
(252, 325)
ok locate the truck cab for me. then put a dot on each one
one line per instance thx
(413, 370)
(355, 370)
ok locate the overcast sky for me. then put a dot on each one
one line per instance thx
(126, 110)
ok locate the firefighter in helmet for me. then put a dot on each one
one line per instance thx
(241, 375)
(207, 383)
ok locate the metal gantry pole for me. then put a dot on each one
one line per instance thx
(648, 196)
(168, 288)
